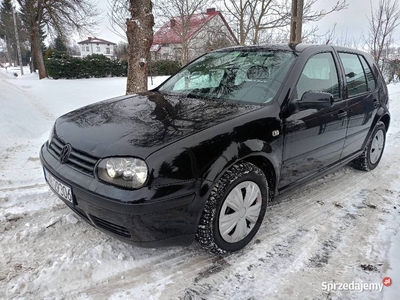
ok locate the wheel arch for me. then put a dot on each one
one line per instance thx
(385, 119)
(268, 169)
(268, 164)
(383, 116)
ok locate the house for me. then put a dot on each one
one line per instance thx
(94, 45)
(203, 32)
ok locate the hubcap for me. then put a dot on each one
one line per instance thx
(376, 147)
(240, 211)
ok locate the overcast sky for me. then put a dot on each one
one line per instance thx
(351, 22)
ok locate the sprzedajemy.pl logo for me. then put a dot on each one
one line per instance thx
(356, 286)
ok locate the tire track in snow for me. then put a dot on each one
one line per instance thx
(27, 96)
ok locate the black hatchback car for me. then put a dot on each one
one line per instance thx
(203, 154)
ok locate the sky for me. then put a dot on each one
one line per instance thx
(351, 22)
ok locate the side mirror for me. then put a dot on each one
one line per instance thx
(315, 100)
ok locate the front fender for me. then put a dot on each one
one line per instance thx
(268, 152)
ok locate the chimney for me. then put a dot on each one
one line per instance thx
(172, 22)
(210, 11)
(89, 38)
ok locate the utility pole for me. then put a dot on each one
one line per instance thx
(296, 26)
(17, 40)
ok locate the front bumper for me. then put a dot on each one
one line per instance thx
(148, 217)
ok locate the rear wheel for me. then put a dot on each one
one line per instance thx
(235, 209)
(372, 154)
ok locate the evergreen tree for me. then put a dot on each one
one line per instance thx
(7, 27)
(7, 31)
(59, 44)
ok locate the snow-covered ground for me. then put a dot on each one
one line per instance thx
(342, 228)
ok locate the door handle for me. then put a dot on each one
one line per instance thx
(375, 103)
(341, 114)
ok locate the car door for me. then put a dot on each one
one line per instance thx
(362, 100)
(314, 138)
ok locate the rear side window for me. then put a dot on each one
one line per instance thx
(371, 81)
(355, 77)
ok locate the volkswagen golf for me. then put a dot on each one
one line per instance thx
(202, 155)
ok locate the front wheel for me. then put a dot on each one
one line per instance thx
(372, 154)
(235, 209)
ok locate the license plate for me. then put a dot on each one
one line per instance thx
(63, 190)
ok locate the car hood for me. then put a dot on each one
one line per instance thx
(138, 125)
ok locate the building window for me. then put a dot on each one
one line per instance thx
(108, 51)
(83, 48)
(87, 48)
(98, 49)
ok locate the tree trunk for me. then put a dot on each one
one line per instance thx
(37, 51)
(256, 33)
(242, 38)
(296, 26)
(140, 37)
(185, 53)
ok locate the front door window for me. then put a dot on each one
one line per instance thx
(319, 74)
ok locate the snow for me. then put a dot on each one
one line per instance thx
(323, 232)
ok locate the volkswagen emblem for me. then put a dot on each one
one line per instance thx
(65, 153)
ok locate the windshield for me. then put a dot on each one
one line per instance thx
(248, 77)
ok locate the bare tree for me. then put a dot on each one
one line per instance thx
(139, 30)
(180, 14)
(117, 14)
(382, 24)
(330, 37)
(255, 17)
(60, 16)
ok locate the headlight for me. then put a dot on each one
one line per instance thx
(127, 172)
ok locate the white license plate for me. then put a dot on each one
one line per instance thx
(63, 190)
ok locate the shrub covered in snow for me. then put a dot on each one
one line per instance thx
(164, 67)
(61, 65)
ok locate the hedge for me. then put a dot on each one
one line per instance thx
(61, 65)
(163, 67)
(65, 66)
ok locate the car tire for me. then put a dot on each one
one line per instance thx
(372, 153)
(230, 219)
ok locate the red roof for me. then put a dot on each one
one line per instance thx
(168, 34)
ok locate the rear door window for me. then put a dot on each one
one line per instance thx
(371, 81)
(355, 77)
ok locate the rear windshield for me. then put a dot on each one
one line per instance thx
(248, 77)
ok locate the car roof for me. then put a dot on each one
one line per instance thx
(281, 47)
(288, 47)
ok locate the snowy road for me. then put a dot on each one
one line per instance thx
(342, 228)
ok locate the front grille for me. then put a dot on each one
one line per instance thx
(77, 160)
(114, 228)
